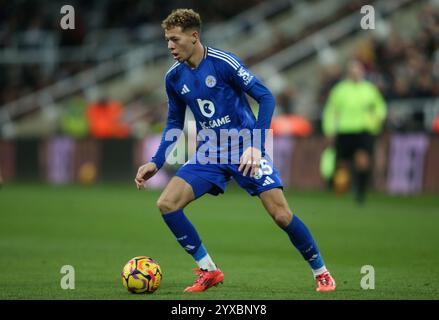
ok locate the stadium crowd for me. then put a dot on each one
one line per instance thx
(27, 25)
(401, 67)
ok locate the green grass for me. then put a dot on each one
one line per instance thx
(98, 229)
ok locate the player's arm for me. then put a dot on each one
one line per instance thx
(380, 106)
(329, 114)
(266, 101)
(245, 80)
(252, 156)
(175, 120)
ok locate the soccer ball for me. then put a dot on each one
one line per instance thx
(141, 275)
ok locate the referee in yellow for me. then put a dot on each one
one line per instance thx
(352, 117)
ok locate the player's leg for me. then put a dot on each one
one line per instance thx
(342, 177)
(268, 186)
(277, 206)
(176, 195)
(362, 165)
(344, 150)
(179, 192)
(362, 168)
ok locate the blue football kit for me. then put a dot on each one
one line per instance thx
(215, 92)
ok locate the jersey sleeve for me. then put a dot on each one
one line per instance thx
(267, 103)
(329, 117)
(380, 105)
(175, 120)
(235, 72)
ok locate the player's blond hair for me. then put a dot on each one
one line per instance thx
(184, 18)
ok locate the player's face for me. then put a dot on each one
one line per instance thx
(181, 43)
(356, 70)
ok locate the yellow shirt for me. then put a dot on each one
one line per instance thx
(354, 107)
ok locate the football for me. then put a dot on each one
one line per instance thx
(141, 275)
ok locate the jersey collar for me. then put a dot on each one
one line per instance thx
(201, 62)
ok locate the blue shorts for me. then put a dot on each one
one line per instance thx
(213, 178)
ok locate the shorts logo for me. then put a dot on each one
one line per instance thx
(210, 81)
(267, 181)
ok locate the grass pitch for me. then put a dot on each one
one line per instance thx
(98, 229)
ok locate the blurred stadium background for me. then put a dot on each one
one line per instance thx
(53, 79)
(53, 139)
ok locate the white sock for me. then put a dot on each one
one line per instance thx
(206, 263)
(319, 271)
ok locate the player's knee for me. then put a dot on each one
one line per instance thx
(166, 205)
(282, 217)
(362, 160)
(283, 220)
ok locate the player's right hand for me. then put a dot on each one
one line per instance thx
(144, 173)
(250, 160)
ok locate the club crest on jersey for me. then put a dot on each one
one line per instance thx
(210, 81)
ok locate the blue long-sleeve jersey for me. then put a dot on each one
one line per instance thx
(215, 93)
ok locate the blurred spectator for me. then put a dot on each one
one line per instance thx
(285, 122)
(105, 119)
(74, 120)
(353, 115)
(33, 37)
(286, 100)
(290, 125)
(329, 76)
(436, 125)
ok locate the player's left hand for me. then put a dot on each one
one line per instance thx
(250, 159)
(144, 173)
